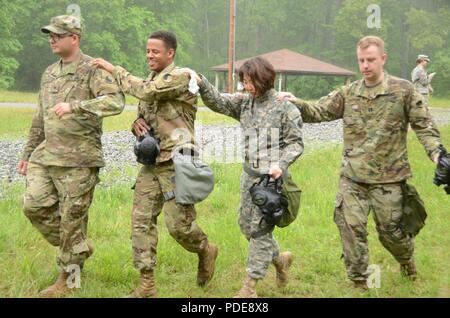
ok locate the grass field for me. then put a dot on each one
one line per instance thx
(18, 97)
(440, 102)
(27, 262)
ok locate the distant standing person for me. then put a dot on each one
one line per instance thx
(420, 78)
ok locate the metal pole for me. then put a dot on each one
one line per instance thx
(231, 46)
(216, 82)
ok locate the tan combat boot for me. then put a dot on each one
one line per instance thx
(361, 285)
(146, 287)
(91, 249)
(248, 290)
(282, 264)
(206, 264)
(409, 270)
(58, 289)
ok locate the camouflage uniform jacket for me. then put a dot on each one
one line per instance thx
(165, 104)
(272, 129)
(375, 127)
(420, 79)
(75, 139)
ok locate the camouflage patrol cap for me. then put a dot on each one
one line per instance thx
(423, 57)
(64, 24)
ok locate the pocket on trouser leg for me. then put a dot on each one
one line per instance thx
(258, 225)
(179, 218)
(74, 218)
(244, 223)
(81, 247)
(40, 192)
(77, 181)
(76, 189)
(74, 255)
(180, 221)
(338, 218)
(414, 212)
(395, 227)
(260, 255)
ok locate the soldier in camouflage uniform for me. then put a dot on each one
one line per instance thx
(166, 108)
(273, 141)
(376, 113)
(64, 153)
(420, 78)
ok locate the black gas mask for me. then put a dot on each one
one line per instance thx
(146, 149)
(266, 195)
(442, 174)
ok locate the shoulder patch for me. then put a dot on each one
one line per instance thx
(167, 78)
(109, 79)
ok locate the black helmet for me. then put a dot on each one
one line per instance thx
(442, 174)
(146, 149)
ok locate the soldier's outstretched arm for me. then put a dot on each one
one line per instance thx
(328, 108)
(292, 136)
(36, 135)
(108, 101)
(167, 87)
(422, 123)
(227, 104)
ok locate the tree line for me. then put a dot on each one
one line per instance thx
(324, 29)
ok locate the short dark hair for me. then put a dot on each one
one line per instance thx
(169, 38)
(418, 61)
(261, 72)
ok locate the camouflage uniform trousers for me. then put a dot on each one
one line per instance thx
(353, 205)
(152, 184)
(57, 201)
(263, 248)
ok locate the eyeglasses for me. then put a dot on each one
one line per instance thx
(57, 37)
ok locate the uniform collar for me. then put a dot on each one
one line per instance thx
(373, 92)
(266, 96)
(70, 69)
(168, 69)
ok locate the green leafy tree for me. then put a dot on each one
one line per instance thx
(9, 45)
